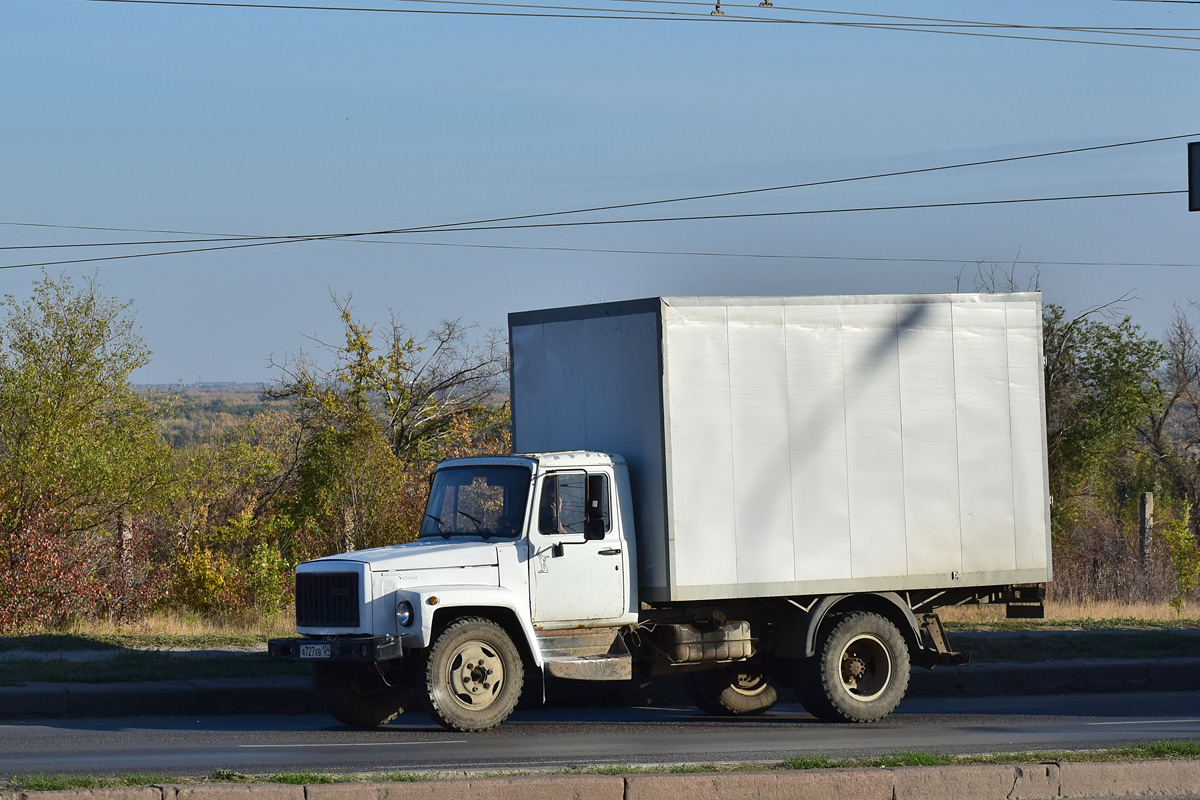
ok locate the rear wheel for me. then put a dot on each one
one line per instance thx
(362, 695)
(473, 676)
(860, 671)
(735, 690)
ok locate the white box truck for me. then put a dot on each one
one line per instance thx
(748, 492)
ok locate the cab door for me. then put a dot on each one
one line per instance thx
(577, 566)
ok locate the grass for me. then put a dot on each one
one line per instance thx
(1080, 616)
(147, 666)
(56, 783)
(159, 631)
(1147, 751)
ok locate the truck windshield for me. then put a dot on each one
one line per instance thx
(477, 501)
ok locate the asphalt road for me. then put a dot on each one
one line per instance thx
(183, 747)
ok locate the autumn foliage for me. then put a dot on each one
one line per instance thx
(102, 518)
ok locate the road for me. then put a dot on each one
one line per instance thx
(186, 747)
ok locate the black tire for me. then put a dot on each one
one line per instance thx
(860, 671)
(473, 676)
(735, 690)
(359, 696)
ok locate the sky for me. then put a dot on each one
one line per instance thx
(292, 122)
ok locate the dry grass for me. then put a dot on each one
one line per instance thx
(192, 626)
(1070, 612)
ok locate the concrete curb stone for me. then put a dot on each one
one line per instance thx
(1132, 779)
(1056, 677)
(1033, 782)
(819, 784)
(34, 700)
(558, 787)
(125, 793)
(255, 696)
(131, 699)
(1048, 781)
(234, 791)
(159, 698)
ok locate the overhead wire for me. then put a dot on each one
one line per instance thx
(567, 12)
(589, 223)
(1172, 2)
(784, 256)
(448, 227)
(490, 223)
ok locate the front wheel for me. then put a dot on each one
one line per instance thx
(735, 690)
(362, 695)
(860, 671)
(473, 675)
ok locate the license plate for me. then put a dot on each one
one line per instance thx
(315, 651)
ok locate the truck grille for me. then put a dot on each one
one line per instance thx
(327, 599)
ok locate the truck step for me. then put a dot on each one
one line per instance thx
(614, 667)
(577, 643)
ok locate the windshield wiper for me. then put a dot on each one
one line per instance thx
(441, 525)
(478, 523)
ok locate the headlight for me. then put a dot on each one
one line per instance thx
(404, 613)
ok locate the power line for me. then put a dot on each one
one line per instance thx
(615, 206)
(1179, 2)
(766, 214)
(783, 256)
(556, 12)
(940, 22)
(583, 223)
(810, 184)
(450, 227)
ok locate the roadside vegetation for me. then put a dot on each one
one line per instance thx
(179, 513)
(119, 505)
(1149, 751)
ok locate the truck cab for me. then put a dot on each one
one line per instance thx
(521, 563)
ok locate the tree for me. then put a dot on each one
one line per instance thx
(415, 389)
(80, 456)
(374, 422)
(226, 514)
(1100, 386)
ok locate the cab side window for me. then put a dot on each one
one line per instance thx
(575, 502)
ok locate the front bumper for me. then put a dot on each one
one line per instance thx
(360, 649)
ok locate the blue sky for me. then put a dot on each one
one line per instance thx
(265, 121)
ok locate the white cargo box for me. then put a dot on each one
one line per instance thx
(804, 445)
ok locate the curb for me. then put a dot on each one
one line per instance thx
(296, 695)
(1048, 781)
(1101, 676)
(159, 698)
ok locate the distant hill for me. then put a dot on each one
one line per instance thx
(200, 413)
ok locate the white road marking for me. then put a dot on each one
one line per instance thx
(1146, 722)
(355, 744)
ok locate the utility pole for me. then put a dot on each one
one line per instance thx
(1145, 525)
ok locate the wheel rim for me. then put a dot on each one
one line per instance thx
(748, 683)
(866, 667)
(475, 675)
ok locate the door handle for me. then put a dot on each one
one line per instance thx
(610, 551)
